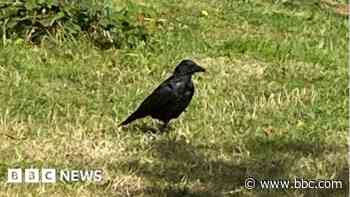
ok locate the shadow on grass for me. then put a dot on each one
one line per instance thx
(157, 128)
(184, 170)
(145, 128)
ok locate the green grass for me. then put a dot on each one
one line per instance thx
(273, 104)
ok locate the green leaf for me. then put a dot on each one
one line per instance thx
(49, 21)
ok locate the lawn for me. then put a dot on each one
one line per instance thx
(273, 103)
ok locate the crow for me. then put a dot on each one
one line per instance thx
(171, 97)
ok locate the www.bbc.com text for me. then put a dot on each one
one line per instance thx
(297, 183)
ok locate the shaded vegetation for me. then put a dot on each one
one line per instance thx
(34, 20)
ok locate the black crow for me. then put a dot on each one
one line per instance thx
(171, 97)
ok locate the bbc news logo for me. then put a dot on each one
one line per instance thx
(34, 175)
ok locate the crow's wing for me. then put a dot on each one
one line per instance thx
(157, 100)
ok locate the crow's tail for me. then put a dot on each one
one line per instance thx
(132, 117)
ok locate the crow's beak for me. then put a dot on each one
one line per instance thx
(200, 69)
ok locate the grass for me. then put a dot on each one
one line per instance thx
(273, 104)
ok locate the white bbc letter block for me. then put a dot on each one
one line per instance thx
(31, 175)
(48, 175)
(14, 175)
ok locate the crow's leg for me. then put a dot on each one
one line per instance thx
(164, 126)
